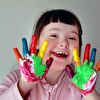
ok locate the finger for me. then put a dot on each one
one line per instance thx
(33, 45)
(25, 47)
(49, 62)
(90, 64)
(86, 62)
(86, 52)
(43, 49)
(98, 66)
(76, 57)
(93, 55)
(17, 54)
(70, 71)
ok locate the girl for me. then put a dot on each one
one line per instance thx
(63, 31)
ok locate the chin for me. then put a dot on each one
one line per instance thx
(62, 61)
(59, 65)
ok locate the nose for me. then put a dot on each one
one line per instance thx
(63, 43)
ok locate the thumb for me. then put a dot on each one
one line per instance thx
(49, 62)
(70, 71)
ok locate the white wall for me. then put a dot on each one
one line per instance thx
(17, 18)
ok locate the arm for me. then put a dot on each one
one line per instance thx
(8, 89)
(18, 85)
(31, 68)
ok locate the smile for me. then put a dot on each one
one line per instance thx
(60, 54)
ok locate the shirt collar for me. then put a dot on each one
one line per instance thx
(63, 78)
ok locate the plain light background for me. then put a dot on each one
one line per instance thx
(17, 18)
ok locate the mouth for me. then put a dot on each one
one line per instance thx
(60, 54)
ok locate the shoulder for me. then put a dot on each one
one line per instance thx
(12, 76)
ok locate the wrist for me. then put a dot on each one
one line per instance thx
(25, 87)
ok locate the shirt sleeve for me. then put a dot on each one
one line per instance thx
(9, 89)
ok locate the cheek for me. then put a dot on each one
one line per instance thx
(52, 43)
(50, 47)
(70, 60)
(74, 45)
(48, 51)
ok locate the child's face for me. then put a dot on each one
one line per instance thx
(63, 38)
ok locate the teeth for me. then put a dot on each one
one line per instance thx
(61, 53)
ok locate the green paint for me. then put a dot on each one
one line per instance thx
(38, 66)
(83, 73)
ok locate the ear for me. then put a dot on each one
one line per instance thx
(38, 45)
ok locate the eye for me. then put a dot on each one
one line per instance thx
(53, 35)
(72, 38)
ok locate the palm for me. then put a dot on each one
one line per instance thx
(31, 66)
(85, 76)
(38, 66)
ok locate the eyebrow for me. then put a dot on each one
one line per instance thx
(74, 32)
(59, 29)
(54, 29)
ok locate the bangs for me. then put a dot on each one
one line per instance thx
(60, 16)
(65, 20)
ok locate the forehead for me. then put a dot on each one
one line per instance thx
(60, 27)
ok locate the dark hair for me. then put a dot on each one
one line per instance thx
(56, 15)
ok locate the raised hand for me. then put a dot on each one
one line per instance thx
(85, 76)
(30, 65)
